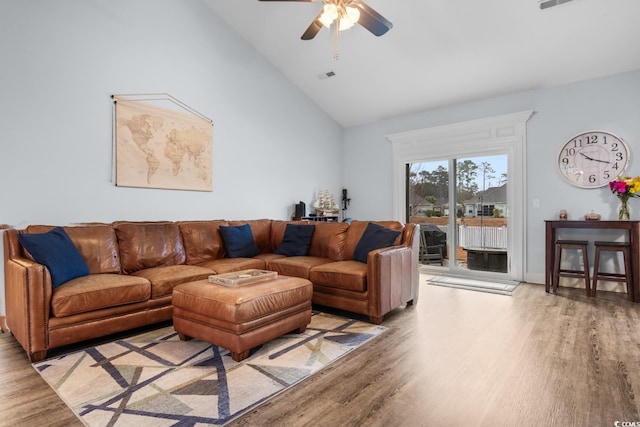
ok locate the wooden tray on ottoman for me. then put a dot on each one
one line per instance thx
(242, 277)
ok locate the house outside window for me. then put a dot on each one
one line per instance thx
(485, 210)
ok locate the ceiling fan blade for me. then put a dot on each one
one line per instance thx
(372, 20)
(313, 29)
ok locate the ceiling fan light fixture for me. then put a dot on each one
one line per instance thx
(329, 14)
(344, 14)
(349, 18)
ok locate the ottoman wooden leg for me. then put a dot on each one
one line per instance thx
(301, 329)
(239, 357)
(376, 320)
(183, 337)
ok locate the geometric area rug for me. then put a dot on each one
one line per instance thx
(154, 379)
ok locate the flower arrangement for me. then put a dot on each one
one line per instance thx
(625, 187)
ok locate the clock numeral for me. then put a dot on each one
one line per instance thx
(592, 139)
(614, 146)
(565, 161)
(615, 166)
(592, 179)
(619, 157)
(606, 175)
(570, 152)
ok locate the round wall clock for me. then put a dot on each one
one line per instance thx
(593, 159)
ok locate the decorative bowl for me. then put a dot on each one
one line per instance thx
(592, 216)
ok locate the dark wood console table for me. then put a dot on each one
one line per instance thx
(633, 230)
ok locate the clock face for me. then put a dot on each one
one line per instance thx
(593, 159)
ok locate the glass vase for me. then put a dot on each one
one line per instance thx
(623, 213)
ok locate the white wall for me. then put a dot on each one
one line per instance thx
(611, 104)
(62, 60)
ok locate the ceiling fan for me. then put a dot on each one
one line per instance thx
(344, 14)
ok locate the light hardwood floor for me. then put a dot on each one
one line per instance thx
(457, 358)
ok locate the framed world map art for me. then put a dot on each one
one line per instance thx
(162, 143)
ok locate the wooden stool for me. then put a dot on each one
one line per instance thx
(559, 272)
(626, 277)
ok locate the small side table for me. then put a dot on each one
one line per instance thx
(322, 218)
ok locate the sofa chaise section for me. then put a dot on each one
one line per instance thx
(387, 280)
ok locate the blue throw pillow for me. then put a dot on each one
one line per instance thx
(374, 237)
(296, 240)
(238, 241)
(56, 251)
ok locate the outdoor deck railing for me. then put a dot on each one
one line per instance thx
(482, 237)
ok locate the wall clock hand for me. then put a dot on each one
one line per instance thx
(592, 159)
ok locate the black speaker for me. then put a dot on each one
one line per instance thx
(345, 199)
(301, 210)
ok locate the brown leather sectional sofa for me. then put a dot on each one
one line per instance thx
(134, 267)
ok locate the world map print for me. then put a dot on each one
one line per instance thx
(158, 147)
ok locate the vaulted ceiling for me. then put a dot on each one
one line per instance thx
(440, 52)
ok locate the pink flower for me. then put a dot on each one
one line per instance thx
(625, 187)
(618, 186)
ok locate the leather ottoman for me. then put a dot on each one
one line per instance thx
(241, 317)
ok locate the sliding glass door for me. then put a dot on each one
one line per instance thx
(465, 182)
(462, 207)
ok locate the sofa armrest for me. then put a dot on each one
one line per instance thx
(28, 300)
(392, 275)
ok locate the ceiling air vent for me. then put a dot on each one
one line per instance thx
(545, 4)
(326, 75)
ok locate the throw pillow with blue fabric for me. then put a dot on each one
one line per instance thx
(296, 240)
(238, 241)
(56, 251)
(374, 237)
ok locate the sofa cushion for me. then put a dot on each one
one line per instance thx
(374, 237)
(278, 227)
(296, 240)
(163, 279)
(298, 266)
(227, 265)
(238, 241)
(96, 242)
(268, 257)
(202, 240)
(97, 291)
(328, 240)
(348, 275)
(356, 230)
(55, 250)
(261, 230)
(149, 244)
